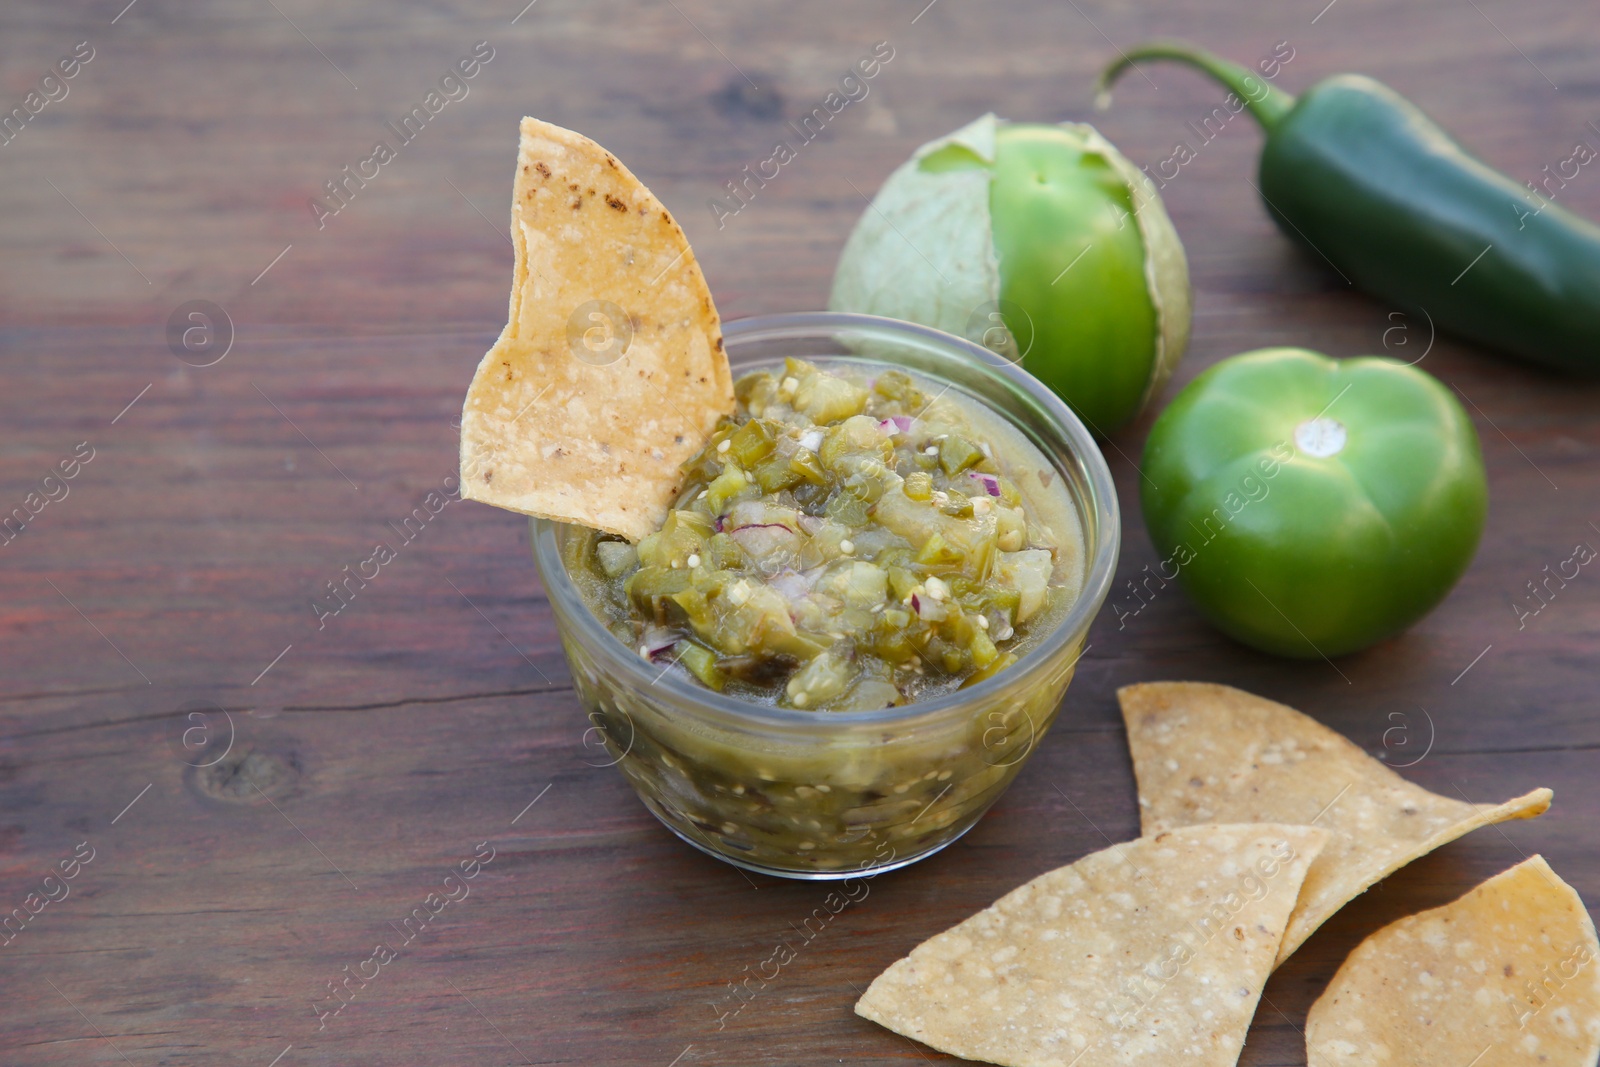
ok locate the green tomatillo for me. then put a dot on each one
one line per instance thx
(1041, 242)
(1312, 506)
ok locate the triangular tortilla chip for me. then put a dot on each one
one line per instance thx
(1209, 753)
(1507, 976)
(1152, 951)
(610, 371)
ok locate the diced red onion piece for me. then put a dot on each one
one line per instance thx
(991, 484)
(655, 645)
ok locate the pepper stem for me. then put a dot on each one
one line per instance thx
(1266, 102)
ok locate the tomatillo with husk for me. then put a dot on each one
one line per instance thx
(1041, 242)
(1311, 506)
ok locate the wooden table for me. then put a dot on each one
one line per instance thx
(159, 615)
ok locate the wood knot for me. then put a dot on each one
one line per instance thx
(738, 99)
(247, 776)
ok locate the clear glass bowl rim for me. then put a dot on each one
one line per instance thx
(1103, 522)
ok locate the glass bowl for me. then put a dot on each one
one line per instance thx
(837, 794)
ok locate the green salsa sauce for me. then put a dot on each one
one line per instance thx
(851, 538)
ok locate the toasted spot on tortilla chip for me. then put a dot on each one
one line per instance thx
(1507, 975)
(1210, 753)
(1152, 951)
(610, 371)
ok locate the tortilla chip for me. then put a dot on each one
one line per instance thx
(1507, 975)
(1152, 951)
(610, 371)
(1210, 753)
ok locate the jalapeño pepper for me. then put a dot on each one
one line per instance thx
(1397, 207)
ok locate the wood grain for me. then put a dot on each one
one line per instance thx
(373, 754)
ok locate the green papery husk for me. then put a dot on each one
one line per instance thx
(924, 251)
